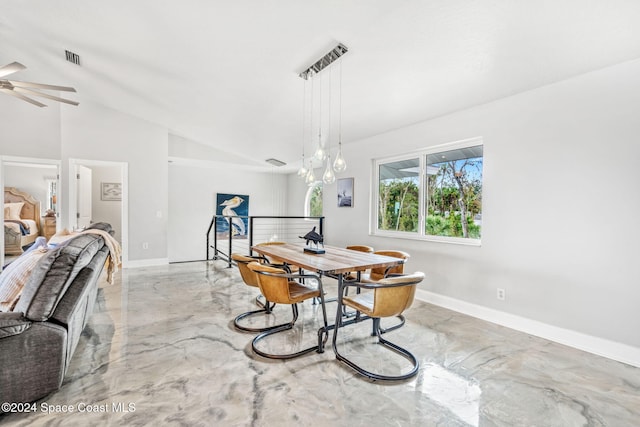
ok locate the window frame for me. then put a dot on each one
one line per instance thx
(309, 194)
(421, 155)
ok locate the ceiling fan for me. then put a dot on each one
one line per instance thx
(22, 89)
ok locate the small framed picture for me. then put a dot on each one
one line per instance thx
(345, 192)
(111, 191)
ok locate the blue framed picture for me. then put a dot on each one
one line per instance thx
(235, 209)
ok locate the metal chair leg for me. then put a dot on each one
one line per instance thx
(372, 375)
(294, 308)
(266, 309)
(390, 328)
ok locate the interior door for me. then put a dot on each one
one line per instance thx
(83, 176)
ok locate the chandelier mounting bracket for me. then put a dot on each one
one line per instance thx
(325, 61)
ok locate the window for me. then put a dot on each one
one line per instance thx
(398, 195)
(434, 194)
(313, 200)
(52, 194)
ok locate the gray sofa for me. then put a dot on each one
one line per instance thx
(38, 338)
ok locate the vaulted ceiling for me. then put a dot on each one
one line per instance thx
(225, 73)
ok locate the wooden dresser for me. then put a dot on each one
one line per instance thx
(48, 226)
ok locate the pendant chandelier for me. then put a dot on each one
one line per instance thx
(323, 151)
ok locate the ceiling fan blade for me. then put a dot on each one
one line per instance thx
(41, 86)
(11, 68)
(44, 95)
(21, 96)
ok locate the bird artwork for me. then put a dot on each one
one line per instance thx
(315, 237)
(236, 224)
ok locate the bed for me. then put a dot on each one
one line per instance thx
(21, 220)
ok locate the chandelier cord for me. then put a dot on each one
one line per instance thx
(340, 107)
(304, 115)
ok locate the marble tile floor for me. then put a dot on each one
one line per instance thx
(161, 350)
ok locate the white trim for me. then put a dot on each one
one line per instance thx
(602, 347)
(28, 161)
(150, 262)
(413, 235)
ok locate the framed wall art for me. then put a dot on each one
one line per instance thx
(232, 205)
(345, 192)
(110, 191)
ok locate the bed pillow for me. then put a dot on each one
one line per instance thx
(14, 210)
(14, 277)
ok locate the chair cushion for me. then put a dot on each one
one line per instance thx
(298, 292)
(362, 302)
(54, 273)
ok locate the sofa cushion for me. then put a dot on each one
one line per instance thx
(15, 276)
(54, 273)
(12, 324)
(104, 226)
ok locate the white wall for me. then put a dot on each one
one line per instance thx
(192, 202)
(29, 131)
(560, 204)
(92, 132)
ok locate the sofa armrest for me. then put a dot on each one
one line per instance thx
(32, 363)
(13, 324)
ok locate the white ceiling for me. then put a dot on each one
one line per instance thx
(224, 73)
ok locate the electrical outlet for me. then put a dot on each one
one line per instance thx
(500, 294)
(145, 245)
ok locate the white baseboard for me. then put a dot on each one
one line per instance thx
(599, 346)
(151, 262)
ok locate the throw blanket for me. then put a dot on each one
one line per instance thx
(115, 252)
(25, 230)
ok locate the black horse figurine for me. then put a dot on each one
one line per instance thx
(316, 238)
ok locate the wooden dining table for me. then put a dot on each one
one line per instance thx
(334, 262)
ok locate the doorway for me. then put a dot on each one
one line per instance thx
(39, 178)
(98, 192)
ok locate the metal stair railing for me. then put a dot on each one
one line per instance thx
(260, 229)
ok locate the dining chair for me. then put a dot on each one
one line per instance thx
(361, 248)
(281, 287)
(388, 297)
(380, 273)
(250, 278)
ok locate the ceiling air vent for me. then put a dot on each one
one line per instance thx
(72, 57)
(275, 162)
